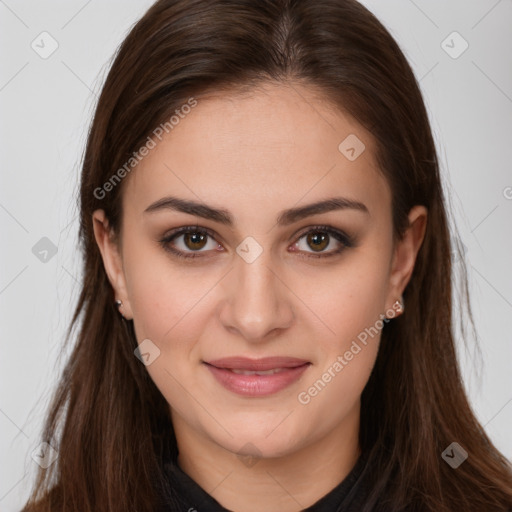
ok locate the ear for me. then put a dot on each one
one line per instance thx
(405, 253)
(112, 260)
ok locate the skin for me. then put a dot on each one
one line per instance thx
(255, 156)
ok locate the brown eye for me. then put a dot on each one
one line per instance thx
(189, 242)
(195, 240)
(313, 243)
(317, 240)
(192, 242)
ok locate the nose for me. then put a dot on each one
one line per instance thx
(257, 302)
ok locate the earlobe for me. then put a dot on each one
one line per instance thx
(406, 251)
(112, 260)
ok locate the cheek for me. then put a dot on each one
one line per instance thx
(332, 396)
(347, 300)
(351, 306)
(163, 296)
(350, 303)
(170, 309)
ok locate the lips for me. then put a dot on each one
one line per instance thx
(257, 365)
(257, 377)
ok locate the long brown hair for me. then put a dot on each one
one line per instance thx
(108, 420)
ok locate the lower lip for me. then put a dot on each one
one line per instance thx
(257, 385)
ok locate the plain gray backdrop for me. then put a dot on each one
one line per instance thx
(55, 56)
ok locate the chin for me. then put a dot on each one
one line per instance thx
(259, 444)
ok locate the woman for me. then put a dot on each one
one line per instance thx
(265, 321)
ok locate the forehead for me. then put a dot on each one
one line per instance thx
(264, 150)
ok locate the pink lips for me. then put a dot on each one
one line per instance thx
(280, 373)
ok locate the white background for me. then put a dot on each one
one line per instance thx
(45, 109)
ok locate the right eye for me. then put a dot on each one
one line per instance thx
(193, 240)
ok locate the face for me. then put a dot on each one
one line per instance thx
(262, 276)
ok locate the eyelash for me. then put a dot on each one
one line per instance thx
(340, 236)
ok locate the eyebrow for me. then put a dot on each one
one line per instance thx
(285, 218)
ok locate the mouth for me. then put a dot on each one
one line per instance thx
(257, 377)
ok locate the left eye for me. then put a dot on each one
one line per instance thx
(195, 239)
(321, 238)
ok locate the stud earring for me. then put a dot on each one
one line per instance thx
(400, 307)
(119, 303)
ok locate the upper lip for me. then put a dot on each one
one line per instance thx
(265, 363)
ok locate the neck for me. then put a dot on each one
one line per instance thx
(288, 483)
